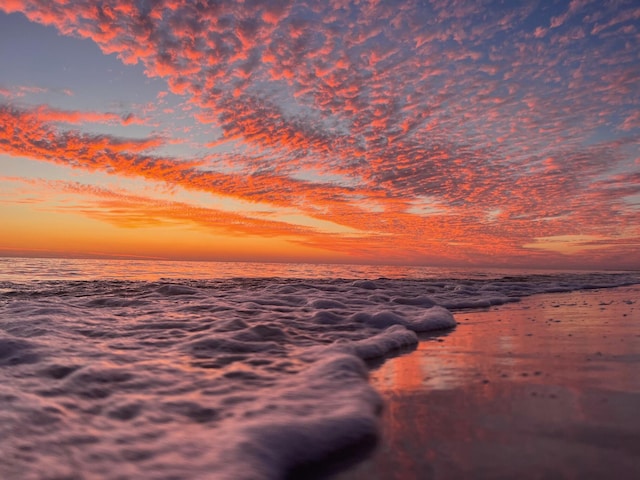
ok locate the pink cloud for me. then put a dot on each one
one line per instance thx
(48, 114)
(406, 101)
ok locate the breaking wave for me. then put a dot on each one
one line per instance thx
(230, 379)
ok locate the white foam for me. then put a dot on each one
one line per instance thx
(230, 379)
(393, 338)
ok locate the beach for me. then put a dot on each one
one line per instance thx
(548, 387)
(307, 240)
(440, 375)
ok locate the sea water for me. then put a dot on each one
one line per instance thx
(159, 370)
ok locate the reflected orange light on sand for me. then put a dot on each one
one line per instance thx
(521, 390)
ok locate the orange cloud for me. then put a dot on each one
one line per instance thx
(48, 114)
(481, 109)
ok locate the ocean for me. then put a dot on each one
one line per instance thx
(127, 369)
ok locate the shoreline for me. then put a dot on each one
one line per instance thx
(543, 388)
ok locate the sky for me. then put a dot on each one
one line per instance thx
(438, 133)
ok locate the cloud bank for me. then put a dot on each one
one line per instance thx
(462, 130)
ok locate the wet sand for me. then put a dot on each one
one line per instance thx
(545, 388)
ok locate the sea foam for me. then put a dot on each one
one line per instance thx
(237, 379)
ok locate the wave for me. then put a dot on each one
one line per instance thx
(238, 378)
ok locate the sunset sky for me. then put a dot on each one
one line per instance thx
(444, 133)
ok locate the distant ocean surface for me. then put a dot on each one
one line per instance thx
(27, 269)
(126, 369)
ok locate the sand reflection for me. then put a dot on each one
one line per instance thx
(545, 388)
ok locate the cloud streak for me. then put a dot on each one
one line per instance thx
(54, 115)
